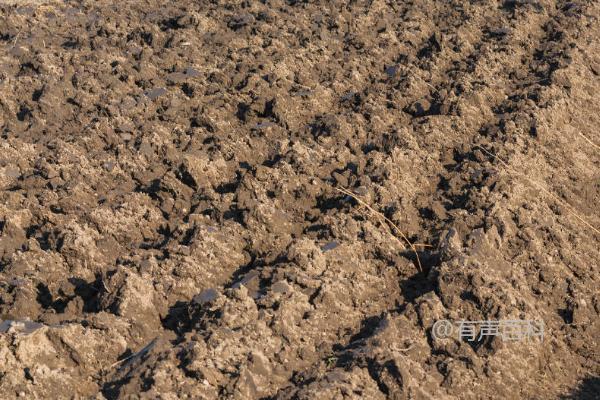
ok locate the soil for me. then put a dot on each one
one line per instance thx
(172, 216)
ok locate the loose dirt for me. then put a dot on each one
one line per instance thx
(175, 220)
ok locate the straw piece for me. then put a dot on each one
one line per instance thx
(384, 218)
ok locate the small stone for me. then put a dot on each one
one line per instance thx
(191, 72)
(330, 246)
(249, 277)
(176, 77)
(391, 71)
(155, 93)
(206, 296)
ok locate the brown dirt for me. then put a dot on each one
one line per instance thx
(170, 225)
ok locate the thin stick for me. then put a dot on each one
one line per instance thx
(384, 218)
(16, 38)
(588, 140)
(144, 349)
(540, 187)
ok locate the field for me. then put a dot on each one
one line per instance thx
(278, 199)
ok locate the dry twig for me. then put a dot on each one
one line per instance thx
(383, 218)
(540, 187)
(588, 140)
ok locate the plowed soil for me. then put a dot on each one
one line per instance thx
(193, 193)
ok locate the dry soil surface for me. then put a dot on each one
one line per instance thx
(173, 221)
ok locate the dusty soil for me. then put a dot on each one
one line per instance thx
(171, 225)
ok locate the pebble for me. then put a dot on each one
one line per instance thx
(191, 72)
(155, 93)
(206, 296)
(391, 71)
(329, 246)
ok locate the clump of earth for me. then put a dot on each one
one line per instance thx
(280, 199)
